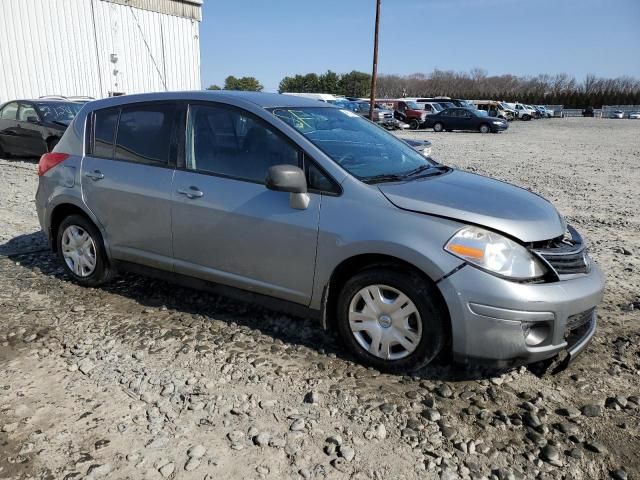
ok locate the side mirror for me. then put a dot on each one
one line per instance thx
(32, 119)
(289, 178)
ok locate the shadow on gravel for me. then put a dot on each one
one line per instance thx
(31, 252)
(23, 244)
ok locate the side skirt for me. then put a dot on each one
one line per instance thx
(265, 301)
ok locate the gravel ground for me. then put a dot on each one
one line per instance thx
(145, 380)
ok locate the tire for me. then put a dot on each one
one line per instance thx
(526, 117)
(424, 332)
(484, 128)
(51, 143)
(414, 124)
(93, 247)
(438, 127)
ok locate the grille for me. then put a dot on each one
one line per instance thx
(569, 263)
(579, 319)
(578, 326)
(566, 255)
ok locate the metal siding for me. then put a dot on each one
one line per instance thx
(181, 8)
(55, 50)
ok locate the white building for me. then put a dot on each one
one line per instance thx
(98, 48)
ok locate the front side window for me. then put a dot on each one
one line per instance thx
(145, 133)
(25, 112)
(230, 142)
(9, 112)
(104, 132)
(363, 149)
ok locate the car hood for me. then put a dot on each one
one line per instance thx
(479, 200)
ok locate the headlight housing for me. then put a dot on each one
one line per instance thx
(497, 122)
(495, 253)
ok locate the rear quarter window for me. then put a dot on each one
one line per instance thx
(104, 132)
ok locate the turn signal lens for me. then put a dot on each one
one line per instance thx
(50, 160)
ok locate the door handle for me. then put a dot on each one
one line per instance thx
(191, 192)
(95, 175)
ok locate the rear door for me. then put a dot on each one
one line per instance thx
(126, 179)
(227, 226)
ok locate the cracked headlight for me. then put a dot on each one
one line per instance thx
(495, 253)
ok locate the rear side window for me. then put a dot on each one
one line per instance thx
(144, 134)
(104, 132)
(9, 112)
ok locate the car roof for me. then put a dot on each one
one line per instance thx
(259, 99)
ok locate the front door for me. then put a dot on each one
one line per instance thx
(8, 125)
(126, 180)
(227, 226)
(29, 131)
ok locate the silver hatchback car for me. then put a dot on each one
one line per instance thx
(308, 207)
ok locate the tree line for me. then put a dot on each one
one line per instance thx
(543, 89)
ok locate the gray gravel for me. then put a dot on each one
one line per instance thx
(145, 380)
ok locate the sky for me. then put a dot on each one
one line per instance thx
(271, 39)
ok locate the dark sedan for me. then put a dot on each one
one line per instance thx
(465, 119)
(30, 128)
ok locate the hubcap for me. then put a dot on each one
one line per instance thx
(78, 251)
(385, 322)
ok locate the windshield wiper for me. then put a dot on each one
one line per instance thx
(418, 170)
(438, 169)
(384, 178)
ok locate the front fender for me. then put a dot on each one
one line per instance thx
(352, 228)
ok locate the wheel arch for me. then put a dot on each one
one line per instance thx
(62, 211)
(357, 263)
(50, 138)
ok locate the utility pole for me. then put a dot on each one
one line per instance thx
(374, 74)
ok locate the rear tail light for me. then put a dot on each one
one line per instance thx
(50, 160)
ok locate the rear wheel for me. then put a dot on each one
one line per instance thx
(82, 252)
(51, 143)
(391, 320)
(3, 152)
(438, 127)
(484, 128)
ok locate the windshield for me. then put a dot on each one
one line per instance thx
(58, 112)
(481, 113)
(414, 106)
(365, 150)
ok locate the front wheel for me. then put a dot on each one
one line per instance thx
(438, 127)
(82, 253)
(484, 128)
(391, 320)
(414, 124)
